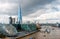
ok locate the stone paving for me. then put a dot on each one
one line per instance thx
(54, 34)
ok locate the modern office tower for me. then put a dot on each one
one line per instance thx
(13, 20)
(10, 20)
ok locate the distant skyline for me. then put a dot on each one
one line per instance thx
(31, 9)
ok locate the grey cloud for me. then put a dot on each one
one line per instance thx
(28, 6)
(31, 6)
(54, 8)
(10, 1)
(12, 11)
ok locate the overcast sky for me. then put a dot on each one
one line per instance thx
(34, 9)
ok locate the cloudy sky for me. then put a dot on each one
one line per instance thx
(32, 9)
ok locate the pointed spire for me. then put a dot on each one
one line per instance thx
(19, 15)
